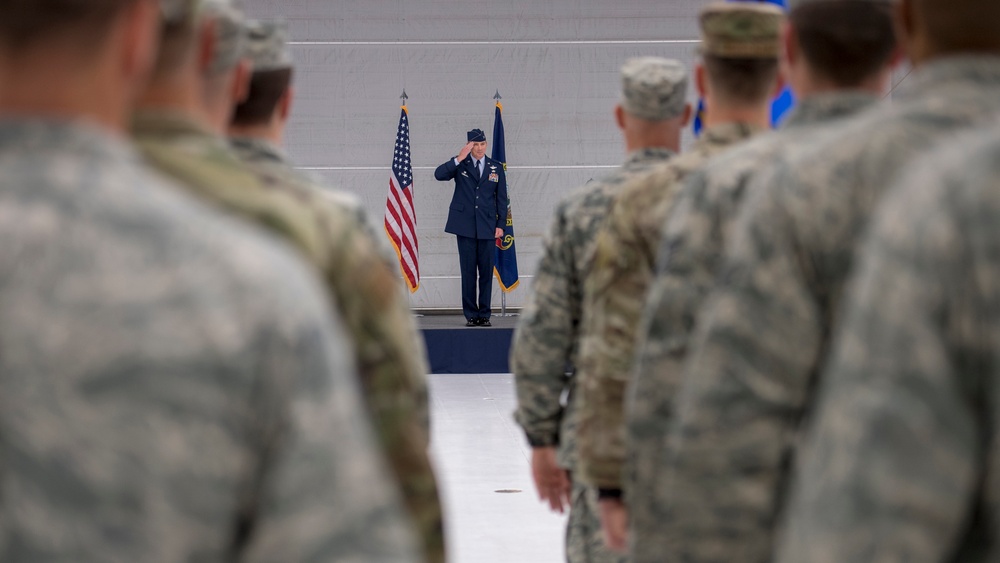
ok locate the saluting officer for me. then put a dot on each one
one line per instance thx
(475, 218)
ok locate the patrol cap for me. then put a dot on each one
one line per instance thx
(476, 136)
(654, 88)
(741, 30)
(267, 45)
(229, 34)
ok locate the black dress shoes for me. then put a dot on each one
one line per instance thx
(472, 322)
(484, 322)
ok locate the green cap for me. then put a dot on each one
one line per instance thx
(229, 24)
(267, 45)
(654, 88)
(742, 30)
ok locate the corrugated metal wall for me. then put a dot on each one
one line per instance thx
(555, 62)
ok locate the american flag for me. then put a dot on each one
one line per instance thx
(400, 218)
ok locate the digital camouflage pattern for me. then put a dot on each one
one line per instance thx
(229, 31)
(546, 342)
(267, 45)
(614, 294)
(271, 161)
(368, 294)
(173, 387)
(654, 88)
(392, 360)
(584, 537)
(902, 463)
(695, 235)
(753, 366)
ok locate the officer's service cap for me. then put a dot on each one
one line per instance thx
(267, 45)
(741, 30)
(654, 88)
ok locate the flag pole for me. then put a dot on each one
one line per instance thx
(503, 294)
(409, 294)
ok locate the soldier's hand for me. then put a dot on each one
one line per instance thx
(499, 233)
(614, 523)
(464, 152)
(551, 480)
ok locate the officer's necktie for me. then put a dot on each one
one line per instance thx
(479, 169)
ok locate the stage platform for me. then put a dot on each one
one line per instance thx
(453, 347)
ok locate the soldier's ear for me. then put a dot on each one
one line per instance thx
(700, 81)
(141, 23)
(790, 44)
(285, 104)
(620, 116)
(241, 83)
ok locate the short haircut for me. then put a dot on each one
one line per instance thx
(846, 42)
(28, 23)
(266, 90)
(960, 26)
(741, 81)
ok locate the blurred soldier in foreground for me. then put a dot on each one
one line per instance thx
(902, 462)
(738, 78)
(385, 335)
(838, 56)
(767, 325)
(651, 116)
(173, 388)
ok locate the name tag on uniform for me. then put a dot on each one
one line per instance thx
(494, 177)
(466, 174)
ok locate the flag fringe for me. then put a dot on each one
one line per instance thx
(399, 256)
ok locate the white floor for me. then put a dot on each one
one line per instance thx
(479, 450)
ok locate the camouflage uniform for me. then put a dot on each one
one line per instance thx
(749, 382)
(173, 387)
(695, 235)
(546, 342)
(367, 290)
(377, 314)
(902, 462)
(615, 289)
(614, 292)
(269, 161)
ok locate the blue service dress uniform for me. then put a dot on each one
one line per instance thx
(478, 209)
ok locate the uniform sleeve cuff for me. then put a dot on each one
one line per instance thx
(609, 493)
(536, 441)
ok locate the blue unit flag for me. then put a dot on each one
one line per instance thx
(505, 268)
